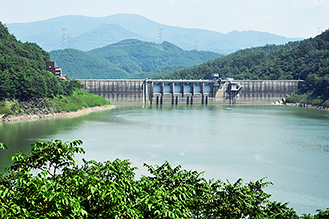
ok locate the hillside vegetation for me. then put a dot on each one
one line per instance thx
(49, 183)
(22, 70)
(79, 64)
(24, 82)
(306, 60)
(127, 59)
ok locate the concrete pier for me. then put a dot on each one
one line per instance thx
(159, 92)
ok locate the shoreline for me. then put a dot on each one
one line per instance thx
(88, 110)
(307, 106)
(70, 114)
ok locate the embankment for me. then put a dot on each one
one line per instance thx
(58, 114)
(77, 104)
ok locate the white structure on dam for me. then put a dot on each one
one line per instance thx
(149, 91)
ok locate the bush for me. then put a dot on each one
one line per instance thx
(4, 108)
(318, 101)
(326, 104)
(295, 98)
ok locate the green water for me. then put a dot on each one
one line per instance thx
(288, 145)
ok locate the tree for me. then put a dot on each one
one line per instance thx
(49, 183)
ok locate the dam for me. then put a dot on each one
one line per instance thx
(229, 91)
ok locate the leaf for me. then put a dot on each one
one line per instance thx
(3, 146)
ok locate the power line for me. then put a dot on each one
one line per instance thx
(51, 37)
(55, 41)
(160, 35)
(64, 37)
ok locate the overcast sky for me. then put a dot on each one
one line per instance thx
(290, 18)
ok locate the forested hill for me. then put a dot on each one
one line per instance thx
(27, 88)
(253, 63)
(306, 60)
(79, 64)
(294, 60)
(128, 58)
(22, 69)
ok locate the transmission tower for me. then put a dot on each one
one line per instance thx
(160, 35)
(64, 38)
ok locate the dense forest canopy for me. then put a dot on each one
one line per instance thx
(22, 71)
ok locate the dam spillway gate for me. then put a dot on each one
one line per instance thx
(150, 91)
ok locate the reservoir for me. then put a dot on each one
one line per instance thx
(288, 145)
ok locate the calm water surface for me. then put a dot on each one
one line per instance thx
(288, 145)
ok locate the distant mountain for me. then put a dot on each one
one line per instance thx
(86, 33)
(101, 35)
(127, 59)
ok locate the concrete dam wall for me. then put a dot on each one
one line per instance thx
(148, 91)
(116, 91)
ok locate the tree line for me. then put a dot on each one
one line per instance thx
(48, 183)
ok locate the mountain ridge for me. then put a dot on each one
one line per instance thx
(72, 27)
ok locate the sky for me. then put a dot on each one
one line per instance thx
(290, 18)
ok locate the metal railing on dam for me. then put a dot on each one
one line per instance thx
(149, 91)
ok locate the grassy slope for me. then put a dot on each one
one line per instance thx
(79, 100)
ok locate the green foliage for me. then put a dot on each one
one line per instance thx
(49, 183)
(78, 100)
(42, 195)
(5, 108)
(296, 98)
(127, 59)
(3, 146)
(320, 215)
(69, 86)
